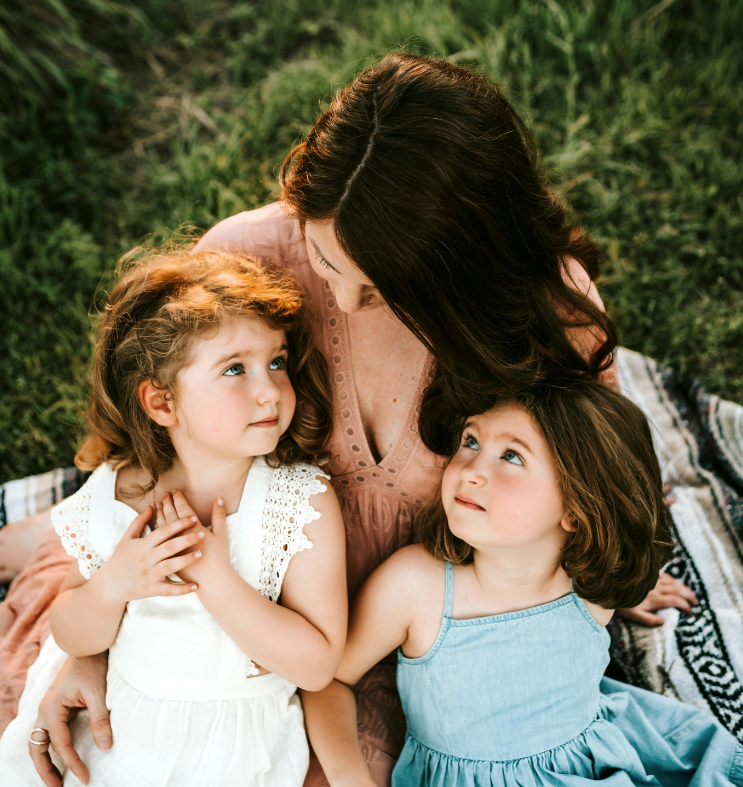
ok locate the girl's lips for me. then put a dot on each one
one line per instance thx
(266, 424)
(468, 504)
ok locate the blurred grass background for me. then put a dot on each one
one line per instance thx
(121, 121)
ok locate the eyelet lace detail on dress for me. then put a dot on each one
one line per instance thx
(285, 513)
(70, 520)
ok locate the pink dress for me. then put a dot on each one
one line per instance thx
(378, 500)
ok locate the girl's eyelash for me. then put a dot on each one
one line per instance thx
(515, 453)
(233, 366)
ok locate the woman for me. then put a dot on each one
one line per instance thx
(416, 218)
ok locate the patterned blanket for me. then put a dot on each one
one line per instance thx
(696, 658)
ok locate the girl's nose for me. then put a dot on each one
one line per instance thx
(266, 390)
(473, 473)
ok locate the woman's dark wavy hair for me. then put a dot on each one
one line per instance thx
(433, 183)
(161, 302)
(608, 471)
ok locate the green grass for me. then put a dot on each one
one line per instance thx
(123, 121)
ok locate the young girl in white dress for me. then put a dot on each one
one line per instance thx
(550, 516)
(207, 389)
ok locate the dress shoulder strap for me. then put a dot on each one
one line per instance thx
(449, 589)
(285, 513)
(71, 521)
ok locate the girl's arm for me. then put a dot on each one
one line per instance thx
(302, 639)
(85, 616)
(384, 612)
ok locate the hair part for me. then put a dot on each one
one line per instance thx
(434, 186)
(162, 302)
(602, 448)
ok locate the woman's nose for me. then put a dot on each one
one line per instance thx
(353, 297)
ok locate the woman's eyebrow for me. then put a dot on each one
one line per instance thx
(323, 258)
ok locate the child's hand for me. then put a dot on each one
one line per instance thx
(215, 546)
(139, 567)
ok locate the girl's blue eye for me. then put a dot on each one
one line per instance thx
(470, 442)
(277, 364)
(234, 370)
(512, 457)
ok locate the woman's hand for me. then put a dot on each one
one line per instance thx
(214, 544)
(139, 567)
(669, 592)
(81, 683)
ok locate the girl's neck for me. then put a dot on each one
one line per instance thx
(513, 580)
(204, 480)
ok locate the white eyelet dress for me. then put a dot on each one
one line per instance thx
(188, 708)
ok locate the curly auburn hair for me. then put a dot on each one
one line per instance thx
(610, 479)
(436, 193)
(162, 301)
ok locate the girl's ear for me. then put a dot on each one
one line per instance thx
(568, 523)
(157, 403)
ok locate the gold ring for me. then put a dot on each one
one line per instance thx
(39, 743)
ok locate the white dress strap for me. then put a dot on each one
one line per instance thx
(286, 511)
(71, 521)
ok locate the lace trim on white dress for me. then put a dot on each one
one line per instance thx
(285, 513)
(70, 520)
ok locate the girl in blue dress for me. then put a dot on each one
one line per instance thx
(550, 516)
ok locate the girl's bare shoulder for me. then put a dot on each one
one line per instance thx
(412, 572)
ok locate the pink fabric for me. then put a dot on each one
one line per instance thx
(24, 619)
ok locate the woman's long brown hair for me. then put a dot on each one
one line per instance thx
(433, 183)
(159, 305)
(610, 480)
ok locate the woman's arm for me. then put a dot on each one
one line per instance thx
(302, 639)
(381, 620)
(85, 616)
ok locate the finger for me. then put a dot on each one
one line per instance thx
(169, 511)
(181, 504)
(686, 592)
(100, 721)
(175, 564)
(670, 500)
(138, 525)
(159, 516)
(642, 616)
(667, 488)
(42, 761)
(162, 534)
(175, 545)
(59, 734)
(678, 602)
(219, 517)
(176, 588)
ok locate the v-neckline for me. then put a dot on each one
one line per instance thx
(349, 427)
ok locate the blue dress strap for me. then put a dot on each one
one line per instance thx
(449, 587)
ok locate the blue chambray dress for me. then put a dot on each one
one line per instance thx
(520, 699)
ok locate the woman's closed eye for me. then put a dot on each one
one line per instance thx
(512, 457)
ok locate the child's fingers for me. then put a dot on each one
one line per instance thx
(219, 516)
(138, 525)
(175, 564)
(181, 504)
(162, 534)
(175, 545)
(176, 588)
(169, 511)
(159, 516)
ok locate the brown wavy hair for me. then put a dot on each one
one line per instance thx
(162, 301)
(611, 484)
(434, 186)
